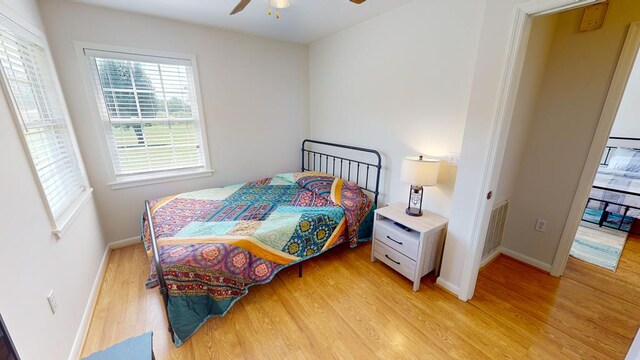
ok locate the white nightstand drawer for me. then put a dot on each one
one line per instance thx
(395, 260)
(405, 242)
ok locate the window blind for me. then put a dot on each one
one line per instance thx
(30, 80)
(149, 112)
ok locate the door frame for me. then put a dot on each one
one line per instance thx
(607, 118)
(517, 49)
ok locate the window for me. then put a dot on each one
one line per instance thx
(29, 79)
(149, 114)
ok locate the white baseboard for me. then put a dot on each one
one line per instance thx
(93, 296)
(447, 286)
(491, 256)
(527, 260)
(124, 243)
(88, 310)
(634, 350)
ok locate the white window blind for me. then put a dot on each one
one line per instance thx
(29, 78)
(149, 111)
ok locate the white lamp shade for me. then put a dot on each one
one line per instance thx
(420, 171)
(279, 4)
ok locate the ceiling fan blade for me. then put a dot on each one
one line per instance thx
(358, 1)
(241, 5)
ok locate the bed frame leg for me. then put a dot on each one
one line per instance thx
(300, 270)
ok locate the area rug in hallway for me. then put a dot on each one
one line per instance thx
(599, 247)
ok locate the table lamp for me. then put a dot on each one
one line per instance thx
(418, 172)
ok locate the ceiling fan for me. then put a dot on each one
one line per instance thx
(243, 3)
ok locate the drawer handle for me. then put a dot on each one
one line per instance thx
(395, 241)
(387, 256)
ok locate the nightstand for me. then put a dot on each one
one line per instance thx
(410, 245)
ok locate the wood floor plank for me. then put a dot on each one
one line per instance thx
(346, 307)
(623, 284)
(575, 303)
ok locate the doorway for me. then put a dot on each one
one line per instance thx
(606, 206)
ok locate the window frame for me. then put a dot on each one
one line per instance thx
(63, 220)
(92, 89)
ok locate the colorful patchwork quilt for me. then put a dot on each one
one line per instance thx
(216, 243)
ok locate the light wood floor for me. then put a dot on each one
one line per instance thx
(347, 307)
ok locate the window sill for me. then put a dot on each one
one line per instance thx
(142, 181)
(64, 221)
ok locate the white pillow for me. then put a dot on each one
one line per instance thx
(625, 159)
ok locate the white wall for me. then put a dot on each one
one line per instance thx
(489, 68)
(32, 260)
(574, 89)
(399, 83)
(627, 122)
(255, 93)
(542, 31)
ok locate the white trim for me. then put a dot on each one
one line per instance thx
(546, 7)
(634, 350)
(67, 217)
(607, 118)
(124, 243)
(35, 33)
(491, 256)
(527, 260)
(83, 330)
(24, 28)
(133, 182)
(85, 74)
(447, 285)
(500, 130)
(136, 56)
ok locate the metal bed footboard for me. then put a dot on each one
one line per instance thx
(604, 217)
(609, 150)
(164, 291)
(353, 167)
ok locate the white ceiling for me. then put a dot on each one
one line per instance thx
(304, 22)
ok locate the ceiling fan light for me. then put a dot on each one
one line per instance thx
(279, 4)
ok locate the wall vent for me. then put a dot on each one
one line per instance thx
(495, 230)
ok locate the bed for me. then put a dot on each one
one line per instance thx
(207, 248)
(614, 201)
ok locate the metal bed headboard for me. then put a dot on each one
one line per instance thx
(346, 168)
(609, 148)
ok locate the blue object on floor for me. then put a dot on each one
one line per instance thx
(135, 348)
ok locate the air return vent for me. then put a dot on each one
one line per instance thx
(496, 228)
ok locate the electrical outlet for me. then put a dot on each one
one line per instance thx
(53, 303)
(453, 159)
(541, 225)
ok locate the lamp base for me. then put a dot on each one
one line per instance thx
(415, 198)
(413, 211)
